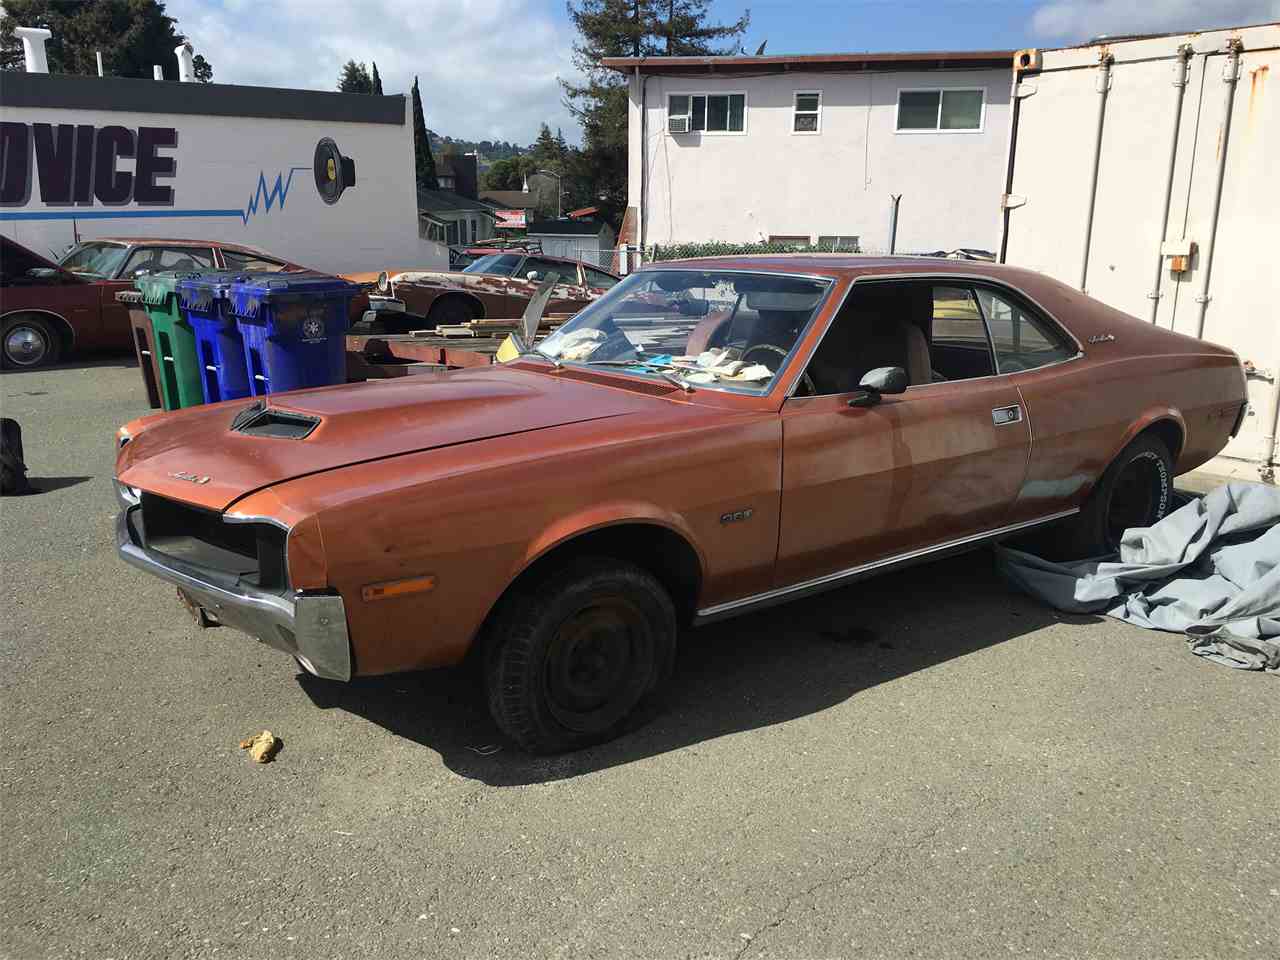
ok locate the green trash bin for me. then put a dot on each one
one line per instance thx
(175, 344)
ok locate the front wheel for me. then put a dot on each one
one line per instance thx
(573, 655)
(29, 341)
(1135, 491)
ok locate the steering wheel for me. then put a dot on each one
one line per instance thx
(805, 388)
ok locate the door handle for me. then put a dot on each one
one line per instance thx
(1002, 416)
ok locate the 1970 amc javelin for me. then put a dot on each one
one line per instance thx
(710, 437)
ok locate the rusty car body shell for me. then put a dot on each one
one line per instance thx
(472, 477)
(489, 295)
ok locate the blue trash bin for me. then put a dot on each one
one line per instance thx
(224, 374)
(294, 327)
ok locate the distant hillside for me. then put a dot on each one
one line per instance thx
(488, 150)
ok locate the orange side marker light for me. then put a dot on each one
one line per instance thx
(396, 588)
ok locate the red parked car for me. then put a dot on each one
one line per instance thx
(48, 310)
(780, 426)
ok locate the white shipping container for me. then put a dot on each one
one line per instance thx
(1147, 173)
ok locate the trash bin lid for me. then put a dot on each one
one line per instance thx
(250, 290)
(197, 291)
(157, 288)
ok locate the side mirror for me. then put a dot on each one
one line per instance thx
(880, 381)
(532, 275)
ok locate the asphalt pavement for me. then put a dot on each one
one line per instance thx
(923, 765)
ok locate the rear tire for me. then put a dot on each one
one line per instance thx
(29, 342)
(1135, 491)
(451, 310)
(575, 655)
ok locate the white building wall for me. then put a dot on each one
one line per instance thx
(770, 181)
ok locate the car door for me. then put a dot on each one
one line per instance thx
(939, 463)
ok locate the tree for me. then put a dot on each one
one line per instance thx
(628, 28)
(377, 81)
(424, 163)
(203, 69)
(355, 78)
(132, 35)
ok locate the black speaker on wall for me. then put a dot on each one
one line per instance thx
(334, 172)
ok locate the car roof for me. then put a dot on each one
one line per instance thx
(845, 265)
(179, 242)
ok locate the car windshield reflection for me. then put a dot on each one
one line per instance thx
(716, 329)
(502, 264)
(100, 260)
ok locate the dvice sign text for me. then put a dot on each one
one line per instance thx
(78, 164)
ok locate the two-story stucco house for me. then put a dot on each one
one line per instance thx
(741, 148)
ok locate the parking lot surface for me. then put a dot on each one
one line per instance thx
(922, 765)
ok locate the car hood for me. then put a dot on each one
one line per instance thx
(197, 456)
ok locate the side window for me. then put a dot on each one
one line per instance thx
(1022, 339)
(959, 349)
(243, 260)
(146, 260)
(544, 268)
(599, 280)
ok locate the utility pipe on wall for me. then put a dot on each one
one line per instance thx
(894, 200)
(1180, 92)
(1230, 74)
(1104, 86)
(643, 208)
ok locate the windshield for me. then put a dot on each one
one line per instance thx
(500, 263)
(705, 328)
(94, 259)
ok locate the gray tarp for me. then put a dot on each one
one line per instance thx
(1210, 569)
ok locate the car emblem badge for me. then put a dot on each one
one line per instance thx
(189, 477)
(1102, 338)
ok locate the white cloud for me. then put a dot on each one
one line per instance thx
(1078, 20)
(487, 68)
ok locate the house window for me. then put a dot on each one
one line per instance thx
(451, 233)
(807, 116)
(707, 113)
(940, 110)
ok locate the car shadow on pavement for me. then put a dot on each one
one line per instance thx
(48, 484)
(78, 363)
(742, 674)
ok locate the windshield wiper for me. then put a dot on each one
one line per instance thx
(680, 382)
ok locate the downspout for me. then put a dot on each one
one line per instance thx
(894, 200)
(644, 162)
(1268, 470)
(1230, 74)
(1180, 85)
(1015, 106)
(1104, 86)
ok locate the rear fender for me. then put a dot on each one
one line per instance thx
(1147, 418)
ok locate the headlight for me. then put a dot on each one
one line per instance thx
(384, 282)
(122, 437)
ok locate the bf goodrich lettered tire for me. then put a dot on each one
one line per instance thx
(577, 653)
(1135, 491)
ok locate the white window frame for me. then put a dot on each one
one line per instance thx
(934, 131)
(795, 95)
(746, 109)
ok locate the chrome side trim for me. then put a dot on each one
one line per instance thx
(832, 580)
(308, 626)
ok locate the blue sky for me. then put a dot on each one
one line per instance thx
(489, 68)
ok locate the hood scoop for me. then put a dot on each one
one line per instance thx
(260, 420)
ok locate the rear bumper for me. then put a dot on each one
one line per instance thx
(311, 627)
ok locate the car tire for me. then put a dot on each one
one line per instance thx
(450, 311)
(576, 654)
(1135, 491)
(29, 342)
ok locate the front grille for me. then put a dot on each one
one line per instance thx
(250, 553)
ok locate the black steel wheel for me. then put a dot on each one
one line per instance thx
(452, 310)
(574, 654)
(1135, 491)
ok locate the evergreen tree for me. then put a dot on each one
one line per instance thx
(355, 78)
(628, 28)
(424, 162)
(132, 35)
(203, 69)
(377, 81)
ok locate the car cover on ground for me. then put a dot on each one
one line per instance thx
(1210, 569)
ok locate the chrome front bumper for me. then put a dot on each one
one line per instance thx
(311, 627)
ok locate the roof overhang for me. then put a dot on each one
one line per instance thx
(815, 63)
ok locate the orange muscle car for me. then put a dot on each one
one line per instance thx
(708, 438)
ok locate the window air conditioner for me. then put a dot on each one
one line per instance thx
(677, 124)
